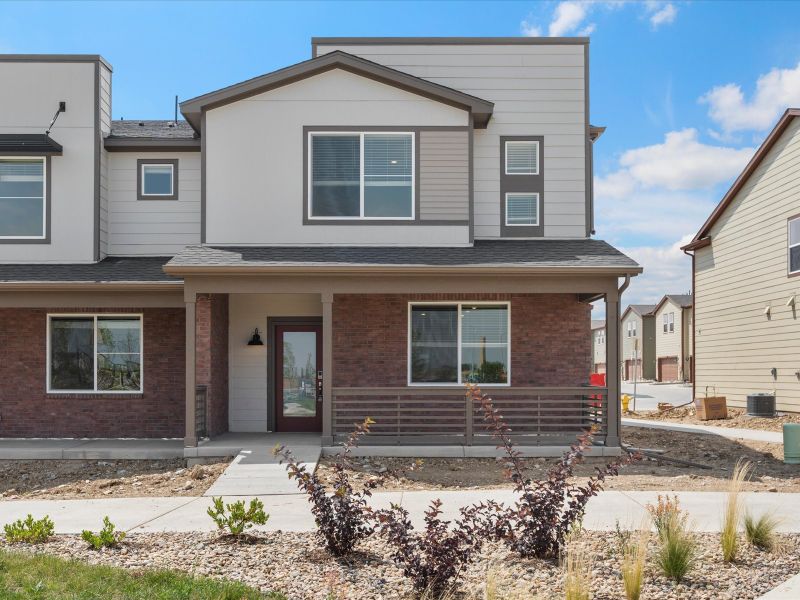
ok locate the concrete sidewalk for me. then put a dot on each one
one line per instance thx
(755, 435)
(292, 512)
(90, 448)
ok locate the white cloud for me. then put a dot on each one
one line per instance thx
(567, 17)
(774, 93)
(662, 14)
(680, 162)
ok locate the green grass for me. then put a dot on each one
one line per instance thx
(43, 577)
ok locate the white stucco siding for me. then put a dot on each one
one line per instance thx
(29, 96)
(247, 387)
(254, 160)
(537, 90)
(740, 274)
(152, 227)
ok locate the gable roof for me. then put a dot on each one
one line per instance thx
(701, 239)
(682, 300)
(642, 310)
(598, 323)
(481, 109)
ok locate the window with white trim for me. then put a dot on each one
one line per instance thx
(522, 208)
(23, 205)
(522, 157)
(669, 322)
(358, 175)
(794, 245)
(94, 353)
(158, 180)
(459, 343)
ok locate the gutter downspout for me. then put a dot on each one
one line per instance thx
(693, 362)
(621, 289)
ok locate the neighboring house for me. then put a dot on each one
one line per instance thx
(746, 267)
(638, 335)
(360, 234)
(599, 349)
(673, 327)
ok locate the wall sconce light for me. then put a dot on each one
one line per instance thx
(768, 310)
(256, 339)
(791, 301)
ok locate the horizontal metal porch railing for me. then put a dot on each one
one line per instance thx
(538, 416)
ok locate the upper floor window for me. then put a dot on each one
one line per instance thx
(94, 353)
(23, 209)
(522, 209)
(794, 245)
(631, 328)
(157, 179)
(357, 175)
(522, 157)
(669, 322)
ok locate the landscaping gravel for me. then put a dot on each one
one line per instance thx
(68, 479)
(295, 564)
(737, 418)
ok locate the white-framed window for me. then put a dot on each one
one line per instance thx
(158, 180)
(23, 201)
(522, 157)
(794, 245)
(669, 322)
(94, 353)
(522, 208)
(453, 343)
(361, 175)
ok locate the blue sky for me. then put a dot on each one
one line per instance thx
(686, 89)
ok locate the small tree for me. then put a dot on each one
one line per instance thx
(342, 514)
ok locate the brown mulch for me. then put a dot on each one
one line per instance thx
(68, 479)
(770, 474)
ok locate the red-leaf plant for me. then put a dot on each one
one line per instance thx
(435, 558)
(342, 514)
(538, 523)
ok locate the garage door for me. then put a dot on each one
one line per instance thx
(668, 368)
(600, 367)
(631, 370)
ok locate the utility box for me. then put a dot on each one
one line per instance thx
(761, 405)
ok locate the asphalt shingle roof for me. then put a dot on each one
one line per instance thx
(643, 309)
(112, 270)
(598, 323)
(152, 129)
(492, 253)
(682, 300)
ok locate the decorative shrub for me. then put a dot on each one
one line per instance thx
(106, 538)
(677, 547)
(729, 538)
(434, 559)
(30, 530)
(343, 516)
(666, 512)
(761, 532)
(577, 575)
(234, 518)
(548, 508)
(634, 560)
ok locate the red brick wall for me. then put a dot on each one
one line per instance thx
(26, 410)
(550, 338)
(212, 358)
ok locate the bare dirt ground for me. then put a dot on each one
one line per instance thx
(49, 479)
(769, 472)
(736, 419)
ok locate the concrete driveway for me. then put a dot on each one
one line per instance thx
(648, 395)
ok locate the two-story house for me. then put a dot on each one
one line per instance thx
(673, 326)
(746, 263)
(637, 330)
(598, 346)
(360, 234)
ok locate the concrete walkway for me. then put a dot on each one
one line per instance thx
(788, 590)
(755, 435)
(255, 471)
(291, 512)
(91, 449)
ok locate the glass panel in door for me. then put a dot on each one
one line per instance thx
(299, 378)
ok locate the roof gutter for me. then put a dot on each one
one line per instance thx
(104, 286)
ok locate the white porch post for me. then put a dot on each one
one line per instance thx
(327, 369)
(190, 438)
(612, 370)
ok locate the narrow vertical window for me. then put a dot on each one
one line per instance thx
(794, 245)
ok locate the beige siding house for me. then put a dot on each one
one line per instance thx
(637, 332)
(746, 268)
(598, 346)
(673, 320)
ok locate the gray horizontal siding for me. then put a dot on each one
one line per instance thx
(444, 175)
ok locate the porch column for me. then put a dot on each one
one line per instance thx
(612, 370)
(327, 369)
(190, 438)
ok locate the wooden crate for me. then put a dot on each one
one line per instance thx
(711, 408)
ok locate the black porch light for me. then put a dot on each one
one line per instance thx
(256, 339)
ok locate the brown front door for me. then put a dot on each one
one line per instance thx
(298, 377)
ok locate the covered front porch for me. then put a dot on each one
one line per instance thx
(363, 317)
